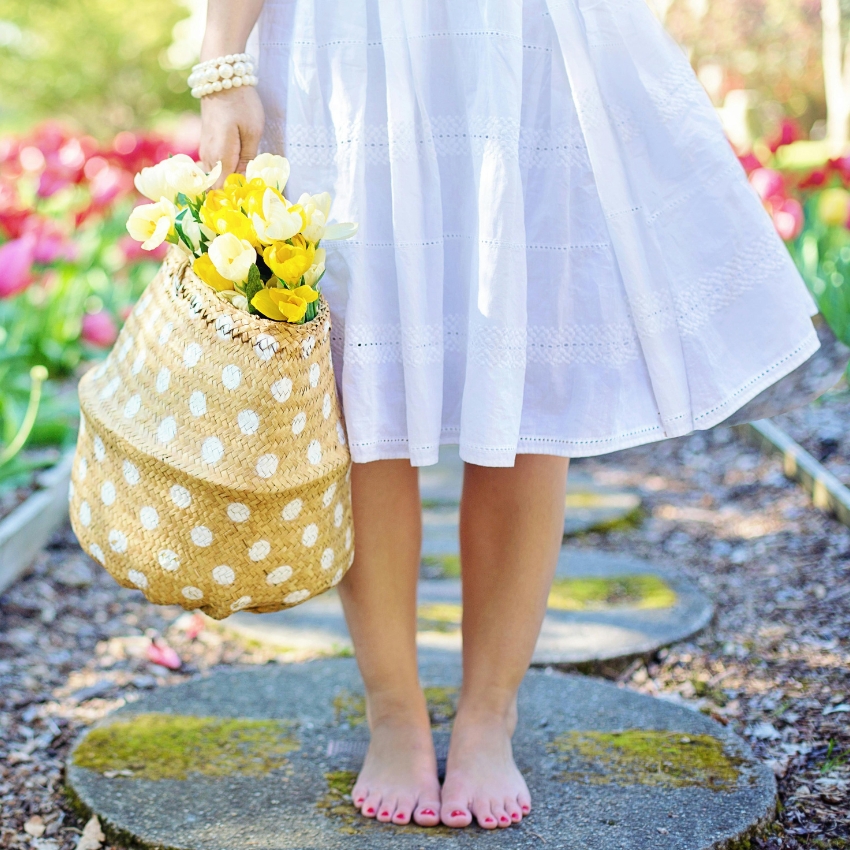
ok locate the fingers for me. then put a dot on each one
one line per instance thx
(231, 126)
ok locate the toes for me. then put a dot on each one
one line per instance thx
(524, 800)
(386, 809)
(403, 809)
(455, 815)
(370, 805)
(514, 811)
(427, 814)
(484, 814)
(500, 813)
(358, 794)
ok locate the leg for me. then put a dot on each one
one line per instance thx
(399, 775)
(511, 526)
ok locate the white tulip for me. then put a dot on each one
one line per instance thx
(232, 257)
(312, 275)
(317, 210)
(179, 173)
(194, 231)
(272, 169)
(343, 230)
(276, 223)
(151, 224)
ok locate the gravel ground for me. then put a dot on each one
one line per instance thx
(774, 665)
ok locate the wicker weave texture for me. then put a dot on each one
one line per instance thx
(211, 468)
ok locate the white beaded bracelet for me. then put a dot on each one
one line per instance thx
(226, 72)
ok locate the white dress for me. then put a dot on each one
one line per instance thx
(558, 252)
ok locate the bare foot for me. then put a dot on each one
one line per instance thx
(398, 780)
(482, 780)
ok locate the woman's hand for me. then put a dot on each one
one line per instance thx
(231, 125)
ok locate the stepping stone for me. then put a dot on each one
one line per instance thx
(588, 505)
(602, 607)
(266, 757)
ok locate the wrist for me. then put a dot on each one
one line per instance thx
(212, 48)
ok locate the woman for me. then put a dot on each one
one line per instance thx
(559, 255)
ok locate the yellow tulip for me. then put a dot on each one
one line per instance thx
(307, 293)
(206, 271)
(289, 262)
(235, 222)
(280, 304)
(833, 206)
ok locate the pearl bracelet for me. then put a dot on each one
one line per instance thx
(226, 72)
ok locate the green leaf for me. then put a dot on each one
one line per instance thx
(253, 286)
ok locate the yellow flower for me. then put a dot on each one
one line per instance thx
(307, 293)
(280, 304)
(289, 262)
(833, 206)
(235, 222)
(206, 271)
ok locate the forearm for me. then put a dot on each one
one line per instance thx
(229, 23)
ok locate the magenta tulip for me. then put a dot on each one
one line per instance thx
(788, 219)
(16, 259)
(99, 329)
(767, 182)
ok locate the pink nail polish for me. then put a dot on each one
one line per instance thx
(488, 820)
(526, 809)
(385, 814)
(458, 813)
(503, 819)
(430, 812)
(370, 811)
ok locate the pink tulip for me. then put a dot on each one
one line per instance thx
(767, 182)
(162, 654)
(788, 219)
(51, 244)
(16, 259)
(99, 329)
(107, 184)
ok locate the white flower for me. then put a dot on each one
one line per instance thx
(193, 231)
(272, 169)
(277, 223)
(312, 275)
(179, 173)
(151, 224)
(317, 210)
(232, 256)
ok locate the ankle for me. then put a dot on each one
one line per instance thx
(397, 707)
(489, 709)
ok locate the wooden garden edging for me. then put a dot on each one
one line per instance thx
(826, 491)
(28, 528)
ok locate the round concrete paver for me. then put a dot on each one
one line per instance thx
(265, 758)
(588, 506)
(602, 607)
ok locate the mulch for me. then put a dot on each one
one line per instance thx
(775, 664)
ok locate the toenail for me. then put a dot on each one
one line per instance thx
(525, 808)
(488, 820)
(503, 819)
(458, 813)
(370, 811)
(385, 814)
(429, 812)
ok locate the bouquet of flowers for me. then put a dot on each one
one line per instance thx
(249, 243)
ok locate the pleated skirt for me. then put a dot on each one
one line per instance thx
(559, 252)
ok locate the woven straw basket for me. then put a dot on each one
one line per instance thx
(211, 468)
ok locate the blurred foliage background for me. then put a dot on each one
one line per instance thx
(103, 65)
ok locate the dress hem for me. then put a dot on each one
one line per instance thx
(397, 448)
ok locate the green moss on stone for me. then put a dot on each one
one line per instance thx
(647, 757)
(349, 708)
(634, 590)
(173, 746)
(448, 565)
